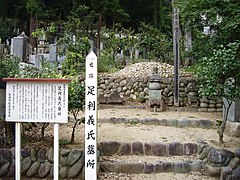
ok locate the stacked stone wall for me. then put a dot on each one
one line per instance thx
(136, 88)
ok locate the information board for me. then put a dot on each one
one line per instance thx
(37, 101)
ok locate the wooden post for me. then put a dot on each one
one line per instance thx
(91, 117)
(176, 31)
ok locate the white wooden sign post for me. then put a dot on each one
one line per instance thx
(36, 100)
(91, 117)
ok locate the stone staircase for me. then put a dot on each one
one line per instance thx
(173, 157)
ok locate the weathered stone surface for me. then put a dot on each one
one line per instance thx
(237, 152)
(102, 99)
(134, 168)
(62, 160)
(212, 171)
(25, 164)
(65, 151)
(44, 169)
(115, 98)
(203, 105)
(201, 145)
(158, 168)
(175, 148)
(11, 170)
(232, 129)
(63, 172)
(225, 172)
(190, 148)
(124, 149)
(184, 123)
(205, 152)
(236, 172)
(33, 169)
(111, 166)
(205, 123)
(25, 152)
(73, 156)
(219, 157)
(167, 167)
(4, 169)
(159, 149)
(41, 155)
(195, 166)
(76, 168)
(148, 149)
(163, 122)
(173, 122)
(49, 155)
(33, 154)
(234, 162)
(109, 148)
(180, 167)
(137, 148)
(3, 160)
(6, 153)
(148, 168)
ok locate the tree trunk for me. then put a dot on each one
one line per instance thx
(223, 125)
(43, 130)
(99, 32)
(176, 51)
(74, 127)
(188, 43)
(32, 27)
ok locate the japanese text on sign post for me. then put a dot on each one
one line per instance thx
(91, 117)
(36, 101)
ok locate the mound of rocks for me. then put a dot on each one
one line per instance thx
(144, 69)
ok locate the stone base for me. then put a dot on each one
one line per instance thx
(232, 129)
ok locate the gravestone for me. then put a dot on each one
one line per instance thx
(19, 46)
(52, 52)
(234, 110)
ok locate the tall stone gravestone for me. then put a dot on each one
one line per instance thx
(52, 53)
(19, 46)
(234, 110)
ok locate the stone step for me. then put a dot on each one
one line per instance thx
(151, 164)
(180, 123)
(109, 148)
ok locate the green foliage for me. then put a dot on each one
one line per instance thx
(35, 7)
(221, 16)
(107, 63)
(156, 44)
(116, 39)
(46, 70)
(9, 66)
(73, 65)
(75, 43)
(6, 28)
(76, 97)
(214, 71)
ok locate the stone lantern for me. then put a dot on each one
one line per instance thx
(154, 90)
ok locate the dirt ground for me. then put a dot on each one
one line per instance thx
(150, 133)
(147, 133)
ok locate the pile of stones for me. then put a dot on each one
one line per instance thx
(144, 69)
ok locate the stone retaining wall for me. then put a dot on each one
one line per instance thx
(38, 163)
(136, 88)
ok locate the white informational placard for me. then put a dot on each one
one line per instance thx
(33, 101)
(91, 117)
(36, 100)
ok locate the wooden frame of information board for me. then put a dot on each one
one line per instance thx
(36, 100)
